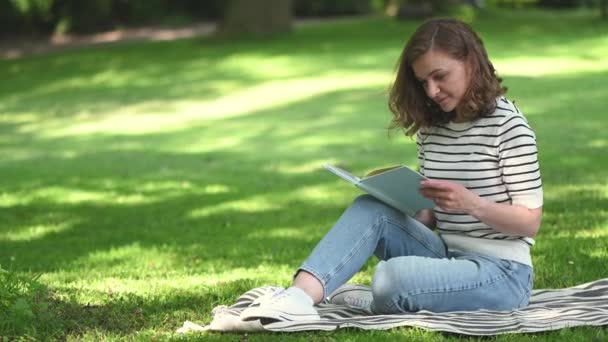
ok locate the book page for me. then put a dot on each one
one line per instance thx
(384, 169)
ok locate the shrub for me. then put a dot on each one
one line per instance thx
(26, 307)
(559, 3)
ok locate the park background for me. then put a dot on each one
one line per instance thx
(145, 181)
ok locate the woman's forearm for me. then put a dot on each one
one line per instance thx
(509, 219)
(505, 218)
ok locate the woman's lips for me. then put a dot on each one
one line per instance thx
(442, 100)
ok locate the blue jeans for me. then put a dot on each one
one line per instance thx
(416, 272)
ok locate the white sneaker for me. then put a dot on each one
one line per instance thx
(353, 295)
(271, 292)
(291, 304)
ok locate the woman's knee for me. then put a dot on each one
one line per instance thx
(373, 205)
(365, 200)
(385, 287)
(390, 285)
(383, 280)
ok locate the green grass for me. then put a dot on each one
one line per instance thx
(147, 183)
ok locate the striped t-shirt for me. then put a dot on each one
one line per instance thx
(496, 158)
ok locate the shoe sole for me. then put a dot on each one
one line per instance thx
(255, 313)
(347, 290)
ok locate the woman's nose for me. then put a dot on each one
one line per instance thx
(431, 89)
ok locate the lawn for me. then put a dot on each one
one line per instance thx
(144, 184)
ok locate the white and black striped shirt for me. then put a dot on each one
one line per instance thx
(496, 158)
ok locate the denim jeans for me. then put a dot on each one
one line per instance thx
(416, 272)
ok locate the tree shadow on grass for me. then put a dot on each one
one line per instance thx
(138, 194)
(122, 314)
(570, 247)
(178, 202)
(166, 220)
(569, 130)
(110, 78)
(145, 195)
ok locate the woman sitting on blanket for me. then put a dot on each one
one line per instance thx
(480, 155)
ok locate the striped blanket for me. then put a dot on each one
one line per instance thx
(586, 304)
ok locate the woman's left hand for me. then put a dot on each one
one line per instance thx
(450, 196)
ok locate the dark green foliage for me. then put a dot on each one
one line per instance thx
(560, 3)
(77, 16)
(260, 18)
(46, 16)
(26, 306)
(323, 8)
(27, 16)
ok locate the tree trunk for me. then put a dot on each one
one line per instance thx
(258, 17)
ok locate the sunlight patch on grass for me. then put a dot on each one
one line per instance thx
(364, 276)
(585, 55)
(277, 93)
(599, 143)
(290, 232)
(216, 189)
(265, 66)
(102, 289)
(295, 169)
(582, 216)
(147, 192)
(183, 113)
(164, 188)
(600, 232)
(549, 66)
(539, 103)
(253, 204)
(557, 192)
(221, 143)
(36, 231)
(105, 78)
(321, 193)
(600, 253)
(157, 283)
(565, 231)
(273, 201)
(320, 141)
(30, 123)
(66, 195)
(22, 118)
(225, 86)
(264, 273)
(344, 108)
(124, 259)
(20, 153)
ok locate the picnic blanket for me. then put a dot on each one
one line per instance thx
(549, 309)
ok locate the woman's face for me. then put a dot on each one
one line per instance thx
(444, 79)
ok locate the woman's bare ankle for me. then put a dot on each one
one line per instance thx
(310, 285)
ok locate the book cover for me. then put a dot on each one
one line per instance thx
(396, 186)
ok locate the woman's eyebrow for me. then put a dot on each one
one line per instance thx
(429, 74)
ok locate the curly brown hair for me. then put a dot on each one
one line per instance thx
(411, 107)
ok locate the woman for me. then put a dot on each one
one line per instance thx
(480, 155)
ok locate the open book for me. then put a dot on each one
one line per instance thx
(396, 186)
